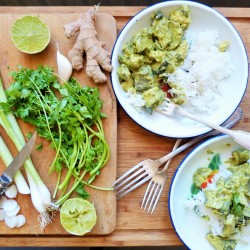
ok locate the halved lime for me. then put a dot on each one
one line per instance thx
(30, 34)
(77, 216)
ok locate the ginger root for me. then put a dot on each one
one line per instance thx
(88, 43)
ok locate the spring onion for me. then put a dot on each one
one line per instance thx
(40, 194)
(5, 154)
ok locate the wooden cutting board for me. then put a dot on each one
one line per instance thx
(10, 58)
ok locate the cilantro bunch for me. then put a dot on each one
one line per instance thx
(70, 117)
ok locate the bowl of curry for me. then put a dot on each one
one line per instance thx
(183, 52)
(208, 200)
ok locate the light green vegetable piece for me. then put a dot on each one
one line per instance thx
(143, 41)
(144, 79)
(125, 76)
(221, 244)
(178, 55)
(181, 16)
(239, 157)
(201, 175)
(157, 55)
(223, 46)
(153, 97)
(218, 199)
(167, 32)
(128, 57)
(229, 226)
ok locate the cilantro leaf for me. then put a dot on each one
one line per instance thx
(80, 190)
(215, 162)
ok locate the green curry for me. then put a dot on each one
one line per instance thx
(154, 53)
(230, 200)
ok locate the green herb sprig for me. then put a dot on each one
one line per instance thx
(70, 117)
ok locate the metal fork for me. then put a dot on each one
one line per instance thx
(156, 185)
(239, 136)
(146, 169)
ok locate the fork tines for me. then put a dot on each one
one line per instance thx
(132, 179)
(153, 196)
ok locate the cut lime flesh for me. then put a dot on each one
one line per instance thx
(30, 34)
(78, 216)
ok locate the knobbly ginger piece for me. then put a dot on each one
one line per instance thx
(87, 42)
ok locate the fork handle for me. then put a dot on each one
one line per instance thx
(176, 145)
(241, 137)
(182, 148)
(211, 125)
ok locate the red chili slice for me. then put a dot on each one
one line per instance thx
(209, 179)
(165, 87)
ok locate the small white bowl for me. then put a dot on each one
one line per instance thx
(189, 226)
(203, 17)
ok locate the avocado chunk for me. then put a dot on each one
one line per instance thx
(181, 16)
(201, 175)
(221, 244)
(144, 79)
(126, 78)
(153, 97)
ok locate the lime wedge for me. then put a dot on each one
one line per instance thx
(77, 216)
(30, 34)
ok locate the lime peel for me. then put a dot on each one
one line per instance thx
(78, 216)
(30, 34)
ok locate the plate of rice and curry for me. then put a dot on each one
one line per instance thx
(183, 52)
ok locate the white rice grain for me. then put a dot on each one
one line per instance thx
(203, 74)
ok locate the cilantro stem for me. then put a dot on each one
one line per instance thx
(57, 184)
(74, 157)
(106, 153)
(66, 196)
(51, 136)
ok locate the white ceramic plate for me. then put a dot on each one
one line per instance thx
(189, 226)
(202, 17)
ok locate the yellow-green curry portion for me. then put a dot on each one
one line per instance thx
(228, 200)
(152, 54)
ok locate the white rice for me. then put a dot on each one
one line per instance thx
(203, 74)
(136, 100)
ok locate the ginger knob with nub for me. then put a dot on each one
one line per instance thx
(87, 42)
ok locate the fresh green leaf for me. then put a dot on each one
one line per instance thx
(29, 135)
(194, 189)
(39, 147)
(215, 162)
(81, 191)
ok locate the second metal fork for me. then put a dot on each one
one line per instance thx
(156, 185)
(146, 169)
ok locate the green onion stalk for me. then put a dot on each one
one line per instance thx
(40, 194)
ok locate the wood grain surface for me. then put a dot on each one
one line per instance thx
(134, 227)
(10, 57)
(224, 3)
